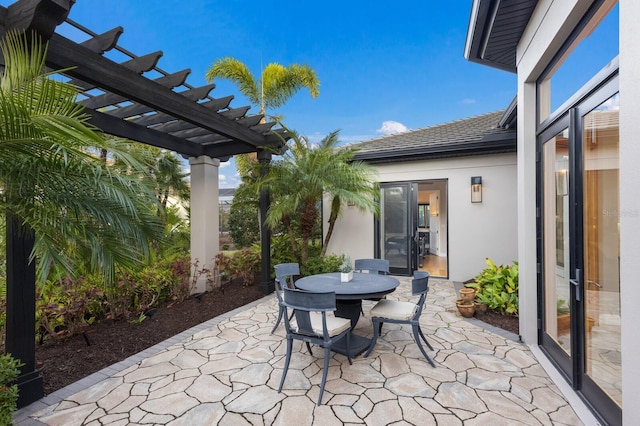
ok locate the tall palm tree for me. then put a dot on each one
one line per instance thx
(52, 179)
(274, 87)
(305, 174)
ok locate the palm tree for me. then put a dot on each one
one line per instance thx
(305, 174)
(276, 85)
(52, 179)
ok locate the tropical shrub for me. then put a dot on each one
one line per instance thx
(497, 287)
(322, 264)
(241, 264)
(9, 370)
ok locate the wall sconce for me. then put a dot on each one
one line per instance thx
(476, 189)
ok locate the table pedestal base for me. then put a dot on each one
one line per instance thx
(357, 345)
(350, 309)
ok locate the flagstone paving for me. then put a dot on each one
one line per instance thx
(227, 372)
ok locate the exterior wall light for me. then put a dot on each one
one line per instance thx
(476, 189)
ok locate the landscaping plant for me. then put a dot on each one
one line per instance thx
(9, 370)
(497, 287)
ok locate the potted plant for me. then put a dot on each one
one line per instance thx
(346, 270)
(467, 294)
(481, 303)
(466, 307)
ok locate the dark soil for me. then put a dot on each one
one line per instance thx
(506, 322)
(63, 362)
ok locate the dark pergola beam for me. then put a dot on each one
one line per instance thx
(141, 108)
(138, 65)
(112, 77)
(128, 130)
(170, 81)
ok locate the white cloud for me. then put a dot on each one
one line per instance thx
(391, 127)
(225, 164)
(468, 101)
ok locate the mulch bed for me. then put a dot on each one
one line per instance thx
(63, 362)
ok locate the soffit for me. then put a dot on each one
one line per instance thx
(495, 28)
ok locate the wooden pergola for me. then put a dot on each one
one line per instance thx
(164, 111)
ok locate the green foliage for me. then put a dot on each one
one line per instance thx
(243, 218)
(497, 287)
(9, 370)
(242, 264)
(346, 265)
(321, 264)
(66, 305)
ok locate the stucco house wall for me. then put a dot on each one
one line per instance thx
(476, 231)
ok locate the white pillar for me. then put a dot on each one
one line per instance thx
(629, 207)
(205, 220)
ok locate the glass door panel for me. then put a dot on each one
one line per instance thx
(557, 291)
(396, 226)
(601, 235)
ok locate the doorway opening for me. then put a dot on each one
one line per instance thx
(413, 227)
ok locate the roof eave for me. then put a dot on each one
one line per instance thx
(483, 24)
(490, 144)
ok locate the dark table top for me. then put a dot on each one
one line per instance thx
(362, 286)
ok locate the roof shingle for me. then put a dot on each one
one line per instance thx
(470, 136)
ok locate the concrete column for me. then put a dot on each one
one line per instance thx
(205, 220)
(629, 207)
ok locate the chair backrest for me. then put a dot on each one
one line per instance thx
(285, 273)
(373, 266)
(420, 286)
(305, 302)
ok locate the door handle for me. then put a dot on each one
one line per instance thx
(576, 282)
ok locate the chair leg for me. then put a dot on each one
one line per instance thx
(286, 363)
(348, 337)
(416, 337)
(380, 328)
(424, 338)
(280, 312)
(327, 354)
(309, 348)
(376, 324)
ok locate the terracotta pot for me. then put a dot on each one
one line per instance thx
(467, 294)
(481, 308)
(466, 309)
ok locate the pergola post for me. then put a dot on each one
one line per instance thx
(266, 285)
(205, 219)
(21, 309)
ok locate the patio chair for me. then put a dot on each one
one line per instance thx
(284, 278)
(313, 325)
(397, 312)
(372, 266)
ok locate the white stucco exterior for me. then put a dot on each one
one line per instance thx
(475, 231)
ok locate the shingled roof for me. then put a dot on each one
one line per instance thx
(470, 136)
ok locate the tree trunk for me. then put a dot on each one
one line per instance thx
(335, 211)
(286, 221)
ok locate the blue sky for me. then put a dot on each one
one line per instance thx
(397, 62)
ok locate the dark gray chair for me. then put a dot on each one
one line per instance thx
(372, 266)
(312, 325)
(284, 278)
(394, 311)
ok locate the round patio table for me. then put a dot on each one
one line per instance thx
(349, 296)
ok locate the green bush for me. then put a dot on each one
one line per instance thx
(322, 264)
(497, 287)
(9, 370)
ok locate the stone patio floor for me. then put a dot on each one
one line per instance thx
(226, 372)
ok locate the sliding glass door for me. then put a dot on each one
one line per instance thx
(580, 248)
